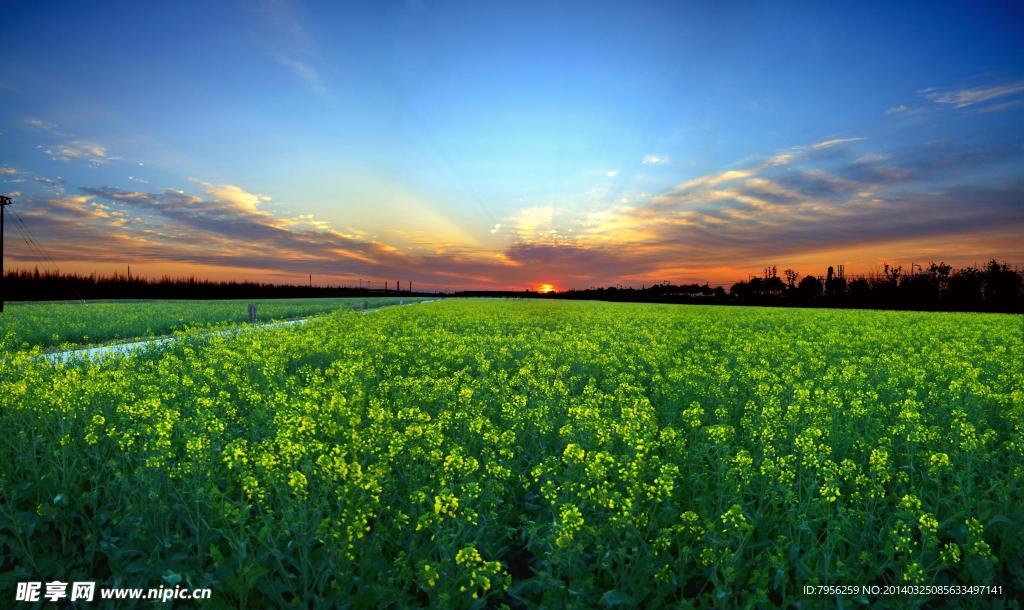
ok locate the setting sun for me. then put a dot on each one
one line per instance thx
(545, 288)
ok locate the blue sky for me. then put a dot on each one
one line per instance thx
(497, 144)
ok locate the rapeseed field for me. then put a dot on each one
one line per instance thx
(476, 454)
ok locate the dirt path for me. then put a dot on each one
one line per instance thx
(103, 351)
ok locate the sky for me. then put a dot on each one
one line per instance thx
(506, 145)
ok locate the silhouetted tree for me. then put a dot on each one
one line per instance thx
(965, 287)
(773, 287)
(940, 275)
(892, 274)
(741, 290)
(919, 290)
(791, 276)
(860, 291)
(1001, 284)
(809, 289)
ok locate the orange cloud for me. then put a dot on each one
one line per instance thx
(811, 205)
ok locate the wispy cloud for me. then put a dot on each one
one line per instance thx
(79, 150)
(654, 160)
(962, 98)
(1003, 106)
(283, 19)
(305, 72)
(40, 124)
(834, 142)
(55, 185)
(897, 109)
(228, 222)
(290, 42)
(714, 179)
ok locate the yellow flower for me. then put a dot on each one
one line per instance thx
(573, 453)
(570, 522)
(910, 502)
(446, 504)
(430, 574)
(829, 492)
(928, 523)
(297, 481)
(913, 573)
(734, 519)
(950, 554)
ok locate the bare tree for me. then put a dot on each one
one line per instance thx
(791, 276)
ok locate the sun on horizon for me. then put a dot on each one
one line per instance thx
(546, 288)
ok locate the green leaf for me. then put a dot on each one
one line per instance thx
(617, 598)
(171, 577)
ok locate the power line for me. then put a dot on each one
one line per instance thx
(37, 247)
(33, 247)
(19, 222)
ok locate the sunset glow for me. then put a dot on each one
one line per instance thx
(477, 147)
(545, 288)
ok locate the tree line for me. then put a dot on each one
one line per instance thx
(994, 287)
(25, 285)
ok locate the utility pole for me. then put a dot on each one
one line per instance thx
(4, 202)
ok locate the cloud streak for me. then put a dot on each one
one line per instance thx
(834, 142)
(291, 44)
(306, 72)
(962, 98)
(40, 124)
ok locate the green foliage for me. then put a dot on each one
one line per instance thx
(51, 324)
(478, 453)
